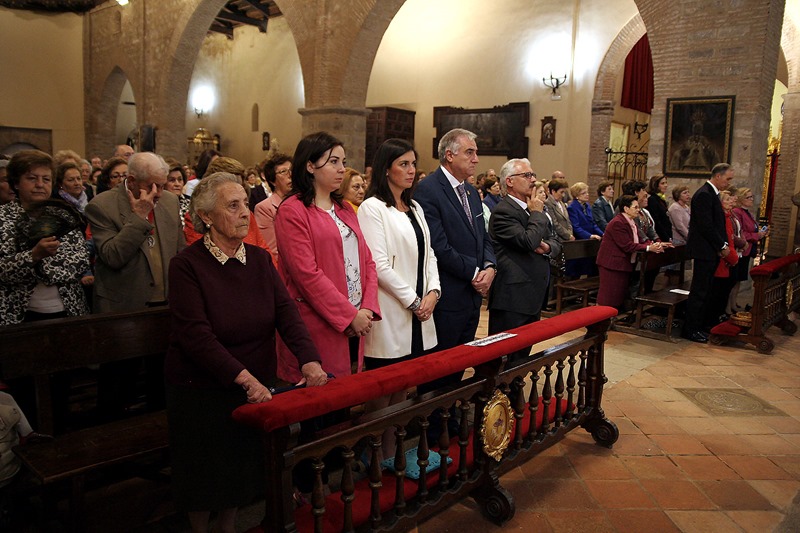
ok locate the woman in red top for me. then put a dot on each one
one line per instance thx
(724, 280)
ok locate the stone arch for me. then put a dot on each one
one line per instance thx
(103, 119)
(169, 110)
(603, 99)
(786, 184)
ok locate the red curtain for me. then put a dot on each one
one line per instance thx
(637, 88)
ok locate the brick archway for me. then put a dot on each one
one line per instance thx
(603, 101)
(102, 120)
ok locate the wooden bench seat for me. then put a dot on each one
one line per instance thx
(584, 287)
(41, 349)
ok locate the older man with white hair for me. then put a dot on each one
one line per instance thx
(523, 240)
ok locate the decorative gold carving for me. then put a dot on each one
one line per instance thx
(789, 294)
(498, 421)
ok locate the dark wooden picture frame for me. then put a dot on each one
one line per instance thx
(548, 133)
(699, 134)
(500, 129)
(265, 140)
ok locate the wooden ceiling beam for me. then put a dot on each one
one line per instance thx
(231, 17)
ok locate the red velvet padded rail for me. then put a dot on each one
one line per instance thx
(334, 507)
(770, 267)
(302, 404)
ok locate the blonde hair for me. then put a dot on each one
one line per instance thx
(578, 188)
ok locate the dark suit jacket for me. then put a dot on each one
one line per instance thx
(257, 194)
(706, 225)
(602, 213)
(522, 274)
(460, 248)
(617, 246)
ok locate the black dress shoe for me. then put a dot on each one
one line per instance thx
(696, 336)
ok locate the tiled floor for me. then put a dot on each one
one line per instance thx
(675, 467)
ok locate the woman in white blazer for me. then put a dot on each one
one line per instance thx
(396, 232)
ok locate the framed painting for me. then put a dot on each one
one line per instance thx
(500, 129)
(548, 134)
(699, 133)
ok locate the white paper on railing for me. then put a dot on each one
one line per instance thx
(679, 291)
(491, 339)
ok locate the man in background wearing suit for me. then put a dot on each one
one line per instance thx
(521, 235)
(707, 242)
(464, 253)
(136, 231)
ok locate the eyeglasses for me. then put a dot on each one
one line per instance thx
(118, 175)
(748, 197)
(282, 172)
(526, 175)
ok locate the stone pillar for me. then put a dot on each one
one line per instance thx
(349, 125)
(602, 114)
(784, 212)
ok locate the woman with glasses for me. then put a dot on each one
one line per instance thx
(278, 173)
(616, 257)
(114, 172)
(353, 188)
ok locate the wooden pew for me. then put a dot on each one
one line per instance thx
(578, 249)
(49, 347)
(664, 298)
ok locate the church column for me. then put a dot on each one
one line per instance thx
(347, 124)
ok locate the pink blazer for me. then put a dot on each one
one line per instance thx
(311, 262)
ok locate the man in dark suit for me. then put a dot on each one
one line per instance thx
(707, 243)
(464, 253)
(523, 241)
(602, 210)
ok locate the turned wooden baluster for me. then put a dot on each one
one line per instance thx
(582, 383)
(375, 483)
(318, 494)
(559, 393)
(571, 387)
(399, 472)
(444, 449)
(518, 394)
(533, 405)
(547, 397)
(463, 441)
(423, 453)
(348, 489)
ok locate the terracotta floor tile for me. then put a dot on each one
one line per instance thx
(656, 467)
(580, 442)
(701, 521)
(594, 467)
(639, 521)
(645, 379)
(460, 519)
(753, 467)
(746, 425)
(680, 444)
(676, 494)
(548, 467)
(634, 408)
(756, 521)
(658, 426)
(681, 409)
(702, 426)
(774, 444)
(735, 495)
(790, 463)
(782, 425)
(682, 382)
(611, 409)
(705, 467)
(771, 394)
(636, 445)
(620, 494)
(570, 522)
(662, 394)
(626, 427)
(715, 382)
(780, 493)
(727, 444)
(551, 494)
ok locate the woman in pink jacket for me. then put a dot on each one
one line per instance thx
(324, 259)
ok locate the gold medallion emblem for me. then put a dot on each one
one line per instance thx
(498, 421)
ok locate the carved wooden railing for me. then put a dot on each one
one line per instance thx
(502, 423)
(776, 293)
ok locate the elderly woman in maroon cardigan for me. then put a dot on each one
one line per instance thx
(616, 258)
(324, 259)
(227, 302)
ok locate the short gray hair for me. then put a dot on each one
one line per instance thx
(449, 141)
(508, 169)
(204, 197)
(144, 165)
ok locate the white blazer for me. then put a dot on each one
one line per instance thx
(391, 238)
